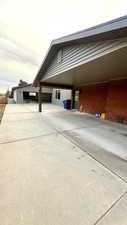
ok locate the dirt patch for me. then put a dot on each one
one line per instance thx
(2, 108)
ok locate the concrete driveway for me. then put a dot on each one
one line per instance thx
(62, 168)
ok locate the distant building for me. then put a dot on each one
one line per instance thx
(28, 94)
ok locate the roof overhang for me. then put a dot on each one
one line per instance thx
(111, 30)
(104, 68)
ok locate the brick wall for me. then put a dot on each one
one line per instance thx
(92, 99)
(116, 107)
(109, 98)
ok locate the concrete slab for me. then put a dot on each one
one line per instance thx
(16, 108)
(46, 108)
(111, 161)
(116, 144)
(67, 120)
(10, 117)
(23, 129)
(49, 180)
(102, 139)
(110, 136)
(61, 167)
(118, 215)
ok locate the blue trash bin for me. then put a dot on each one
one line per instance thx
(67, 104)
(97, 115)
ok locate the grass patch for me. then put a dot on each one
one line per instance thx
(2, 108)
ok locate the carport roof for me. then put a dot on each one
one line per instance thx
(116, 28)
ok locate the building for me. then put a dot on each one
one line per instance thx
(94, 63)
(59, 95)
(29, 94)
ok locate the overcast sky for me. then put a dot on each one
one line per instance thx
(28, 26)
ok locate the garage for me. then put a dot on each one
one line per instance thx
(29, 94)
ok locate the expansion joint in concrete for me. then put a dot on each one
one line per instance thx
(84, 150)
(110, 208)
(26, 139)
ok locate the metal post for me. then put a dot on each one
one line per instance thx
(72, 99)
(40, 98)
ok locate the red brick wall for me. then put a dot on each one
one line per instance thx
(109, 98)
(92, 99)
(116, 107)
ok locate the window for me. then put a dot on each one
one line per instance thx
(32, 94)
(58, 94)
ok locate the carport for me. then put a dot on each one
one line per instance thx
(92, 61)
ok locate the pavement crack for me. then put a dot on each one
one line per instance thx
(110, 208)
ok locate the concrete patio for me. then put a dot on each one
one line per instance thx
(62, 168)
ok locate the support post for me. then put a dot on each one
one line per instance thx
(73, 99)
(40, 98)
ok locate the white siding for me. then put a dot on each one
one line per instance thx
(19, 97)
(15, 95)
(64, 95)
(18, 93)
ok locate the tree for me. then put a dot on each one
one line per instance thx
(7, 94)
(22, 83)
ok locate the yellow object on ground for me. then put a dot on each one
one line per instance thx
(102, 116)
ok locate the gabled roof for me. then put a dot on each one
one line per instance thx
(113, 29)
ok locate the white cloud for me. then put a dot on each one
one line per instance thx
(28, 26)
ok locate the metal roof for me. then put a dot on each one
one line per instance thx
(18, 87)
(116, 28)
